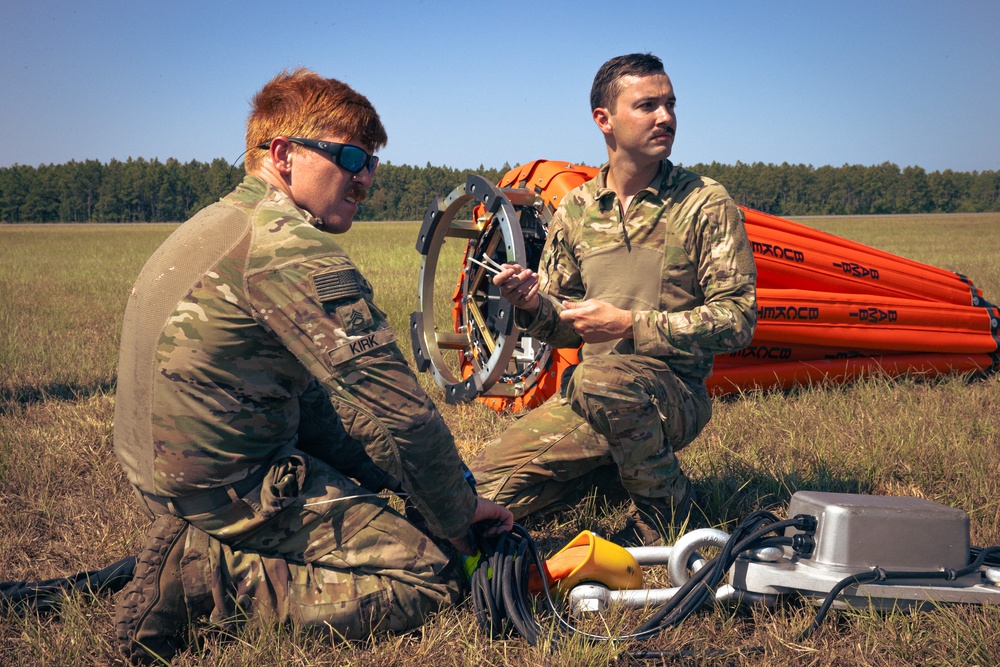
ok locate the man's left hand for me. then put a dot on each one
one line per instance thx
(597, 321)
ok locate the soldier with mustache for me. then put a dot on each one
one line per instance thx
(263, 404)
(647, 266)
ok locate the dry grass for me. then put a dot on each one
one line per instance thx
(65, 506)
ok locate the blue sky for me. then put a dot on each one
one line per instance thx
(466, 83)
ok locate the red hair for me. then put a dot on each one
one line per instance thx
(304, 104)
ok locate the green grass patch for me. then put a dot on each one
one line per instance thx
(65, 505)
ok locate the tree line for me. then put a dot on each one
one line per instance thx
(854, 189)
(140, 190)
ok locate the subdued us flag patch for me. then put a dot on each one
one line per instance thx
(336, 284)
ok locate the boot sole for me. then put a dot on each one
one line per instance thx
(142, 594)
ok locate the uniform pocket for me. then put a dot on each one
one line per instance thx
(282, 485)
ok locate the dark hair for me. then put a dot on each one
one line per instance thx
(607, 82)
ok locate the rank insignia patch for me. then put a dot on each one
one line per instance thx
(355, 317)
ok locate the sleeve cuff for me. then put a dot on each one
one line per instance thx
(645, 334)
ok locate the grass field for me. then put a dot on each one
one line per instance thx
(65, 506)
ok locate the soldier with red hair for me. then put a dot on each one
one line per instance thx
(263, 404)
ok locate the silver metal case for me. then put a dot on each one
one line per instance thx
(858, 532)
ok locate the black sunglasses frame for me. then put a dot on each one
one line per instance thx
(335, 151)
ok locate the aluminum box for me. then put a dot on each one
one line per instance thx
(858, 532)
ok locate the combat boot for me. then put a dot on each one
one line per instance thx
(649, 518)
(152, 616)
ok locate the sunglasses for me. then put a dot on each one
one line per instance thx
(348, 157)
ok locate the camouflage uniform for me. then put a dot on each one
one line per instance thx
(631, 403)
(254, 364)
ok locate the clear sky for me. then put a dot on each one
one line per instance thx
(464, 83)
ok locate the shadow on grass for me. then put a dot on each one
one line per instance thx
(732, 497)
(720, 501)
(12, 398)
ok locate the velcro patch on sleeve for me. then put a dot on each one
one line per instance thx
(355, 317)
(741, 243)
(362, 345)
(336, 284)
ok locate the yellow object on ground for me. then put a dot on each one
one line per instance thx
(589, 557)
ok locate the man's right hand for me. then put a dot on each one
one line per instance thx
(519, 286)
(498, 518)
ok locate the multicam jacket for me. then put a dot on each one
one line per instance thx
(678, 259)
(248, 333)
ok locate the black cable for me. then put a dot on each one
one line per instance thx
(992, 558)
(44, 596)
(878, 574)
(499, 584)
(696, 653)
(693, 595)
(503, 602)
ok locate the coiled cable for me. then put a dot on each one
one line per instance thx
(502, 602)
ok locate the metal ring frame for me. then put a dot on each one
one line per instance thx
(504, 362)
(486, 339)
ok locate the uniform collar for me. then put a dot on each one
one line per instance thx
(258, 186)
(655, 187)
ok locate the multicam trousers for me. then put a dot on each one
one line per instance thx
(627, 414)
(313, 548)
